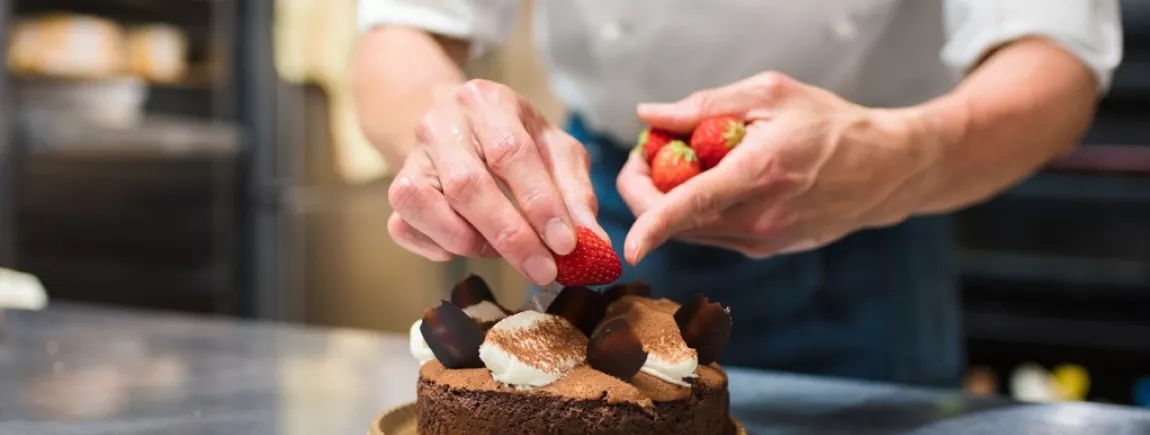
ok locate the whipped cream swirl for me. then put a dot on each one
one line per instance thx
(532, 349)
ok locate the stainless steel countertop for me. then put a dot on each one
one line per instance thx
(78, 369)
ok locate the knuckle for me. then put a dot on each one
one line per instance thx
(773, 79)
(766, 227)
(507, 150)
(703, 101)
(474, 90)
(510, 239)
(461, 184)
(535, 201)
(774, 83)
(403, 193)
(703, 202)
(462, 241)
(425, 128)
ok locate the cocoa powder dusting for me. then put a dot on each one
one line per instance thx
(654, 324)
(549, 345)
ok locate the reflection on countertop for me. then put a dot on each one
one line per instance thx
(99, 370)
(79, 369)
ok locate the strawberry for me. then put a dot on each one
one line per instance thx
(715, 137)
(593, 262)
(673, 165)
(651, 140)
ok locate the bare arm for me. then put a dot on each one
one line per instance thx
(1028, 102)
(399, 74)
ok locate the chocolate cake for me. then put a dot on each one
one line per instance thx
(613, 362)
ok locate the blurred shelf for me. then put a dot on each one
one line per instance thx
(1106, 159)
(1084, 334)
(1084, 187)
(127, 10)
(156, 136)
(1063, 269)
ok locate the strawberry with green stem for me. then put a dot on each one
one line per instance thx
(714, 137)
(651, 140)
(673, 165)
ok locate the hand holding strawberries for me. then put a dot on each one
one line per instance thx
(811, 168)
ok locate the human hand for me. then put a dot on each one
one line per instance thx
(449, 196)
(812, 168)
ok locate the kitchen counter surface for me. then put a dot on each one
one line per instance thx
(78, 369)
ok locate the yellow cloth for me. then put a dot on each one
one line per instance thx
(314, 40)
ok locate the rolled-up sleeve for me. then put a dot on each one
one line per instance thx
(483, 22)
(1090, 29)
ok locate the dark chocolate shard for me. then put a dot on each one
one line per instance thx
(705, 326)
(453, 337)
(617, 291)
(615, 349)
(581, 306)
(471, 291)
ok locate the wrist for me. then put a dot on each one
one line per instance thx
(932, 132)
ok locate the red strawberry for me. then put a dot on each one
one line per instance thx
(673, 165)
(715, 137)
(651, 140)
(593, 262)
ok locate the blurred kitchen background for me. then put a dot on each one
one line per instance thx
(202, 156)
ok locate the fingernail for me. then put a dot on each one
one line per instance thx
(488, 251)
(560, 236)
(632, 252)
(540, 269)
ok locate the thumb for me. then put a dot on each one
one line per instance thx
(690, 205)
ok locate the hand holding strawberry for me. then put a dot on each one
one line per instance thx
(786, 167)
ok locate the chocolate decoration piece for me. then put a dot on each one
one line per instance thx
(614, 349)
(617, 291)
(581, 306)
(453, 337)
(471, 291)
(705, 326)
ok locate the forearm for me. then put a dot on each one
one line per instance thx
(1024, 105)
(398, 75)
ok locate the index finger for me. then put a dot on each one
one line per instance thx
(692, 204)
(512, 154)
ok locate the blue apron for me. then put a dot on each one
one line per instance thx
(878, 305)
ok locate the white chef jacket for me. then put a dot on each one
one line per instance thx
(605, 56)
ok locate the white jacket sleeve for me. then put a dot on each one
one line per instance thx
(1091, 29)
(483, 22)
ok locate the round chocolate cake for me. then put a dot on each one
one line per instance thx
(613, 362)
